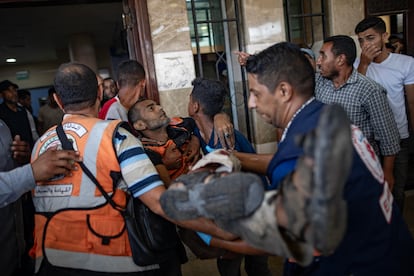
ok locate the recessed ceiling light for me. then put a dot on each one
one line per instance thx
(11, 60)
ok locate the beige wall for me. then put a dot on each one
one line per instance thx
(173, 55)
(343, 15)
(263, 25)
(268, 28)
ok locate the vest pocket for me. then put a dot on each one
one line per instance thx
(88, 232)
(106, 235)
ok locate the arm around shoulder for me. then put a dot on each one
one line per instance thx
(14, 183)
(253, 162)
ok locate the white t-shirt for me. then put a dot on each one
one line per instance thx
(393, 74)
(117, 111)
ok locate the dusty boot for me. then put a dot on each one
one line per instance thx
(312, 197)
(213, 195)
(261, 230)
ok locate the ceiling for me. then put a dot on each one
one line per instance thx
(37, 32)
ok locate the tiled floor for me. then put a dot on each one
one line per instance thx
(208, 267)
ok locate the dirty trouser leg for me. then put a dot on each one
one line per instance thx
(261, 230)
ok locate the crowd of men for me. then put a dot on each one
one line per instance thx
(329, 200)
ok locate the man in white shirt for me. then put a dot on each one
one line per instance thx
(131, 83)
(395, 73)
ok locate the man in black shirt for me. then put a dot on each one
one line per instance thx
(14, 115)
(16, 118)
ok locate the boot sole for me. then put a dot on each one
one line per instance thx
(333, 159)
(228, 197)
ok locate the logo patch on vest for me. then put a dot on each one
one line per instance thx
(367, 154)
(371, 160)
(386, 200)
(53, 190)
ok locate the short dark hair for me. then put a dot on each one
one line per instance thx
(23, 94)
(4, 85)
(283, 61)
(109, 79)
(130, 72)
(51, 91)
(76, 85)
(371, 22)
(133, 113)
(210, 94)
(343, 45)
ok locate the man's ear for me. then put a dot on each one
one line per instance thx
(58, 101)
(197, 107)
(285, 91)
(139, 89)
(142, 83)
(385, 37)
(140, 125)
(341, 59)
(100, 93)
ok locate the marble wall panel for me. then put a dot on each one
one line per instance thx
(263, 21)
(263, 25)
(255, 48)
(175, 102)
(174, 70)
(264, 132)
(169, 25)
(269, 148)
(344, 15)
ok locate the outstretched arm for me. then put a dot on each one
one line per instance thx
(237, 246)
(54, 162)
(242, 57)
(192, 151)
(253, 162)
(388, 168)
(16, 182)
(152, 200)
(224, 129)
(20, 150)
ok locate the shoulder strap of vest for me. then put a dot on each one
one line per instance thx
(67, 145)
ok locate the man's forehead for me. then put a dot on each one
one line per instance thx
(11, 88)
(368, 32)
(146, 104)
(327, 46)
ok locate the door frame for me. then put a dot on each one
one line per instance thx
(136, 22)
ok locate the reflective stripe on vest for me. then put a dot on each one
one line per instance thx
(59, 195)
(74, 227)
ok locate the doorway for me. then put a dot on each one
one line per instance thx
(38, 35)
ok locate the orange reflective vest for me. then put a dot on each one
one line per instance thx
(175, 161)
(74, 225)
